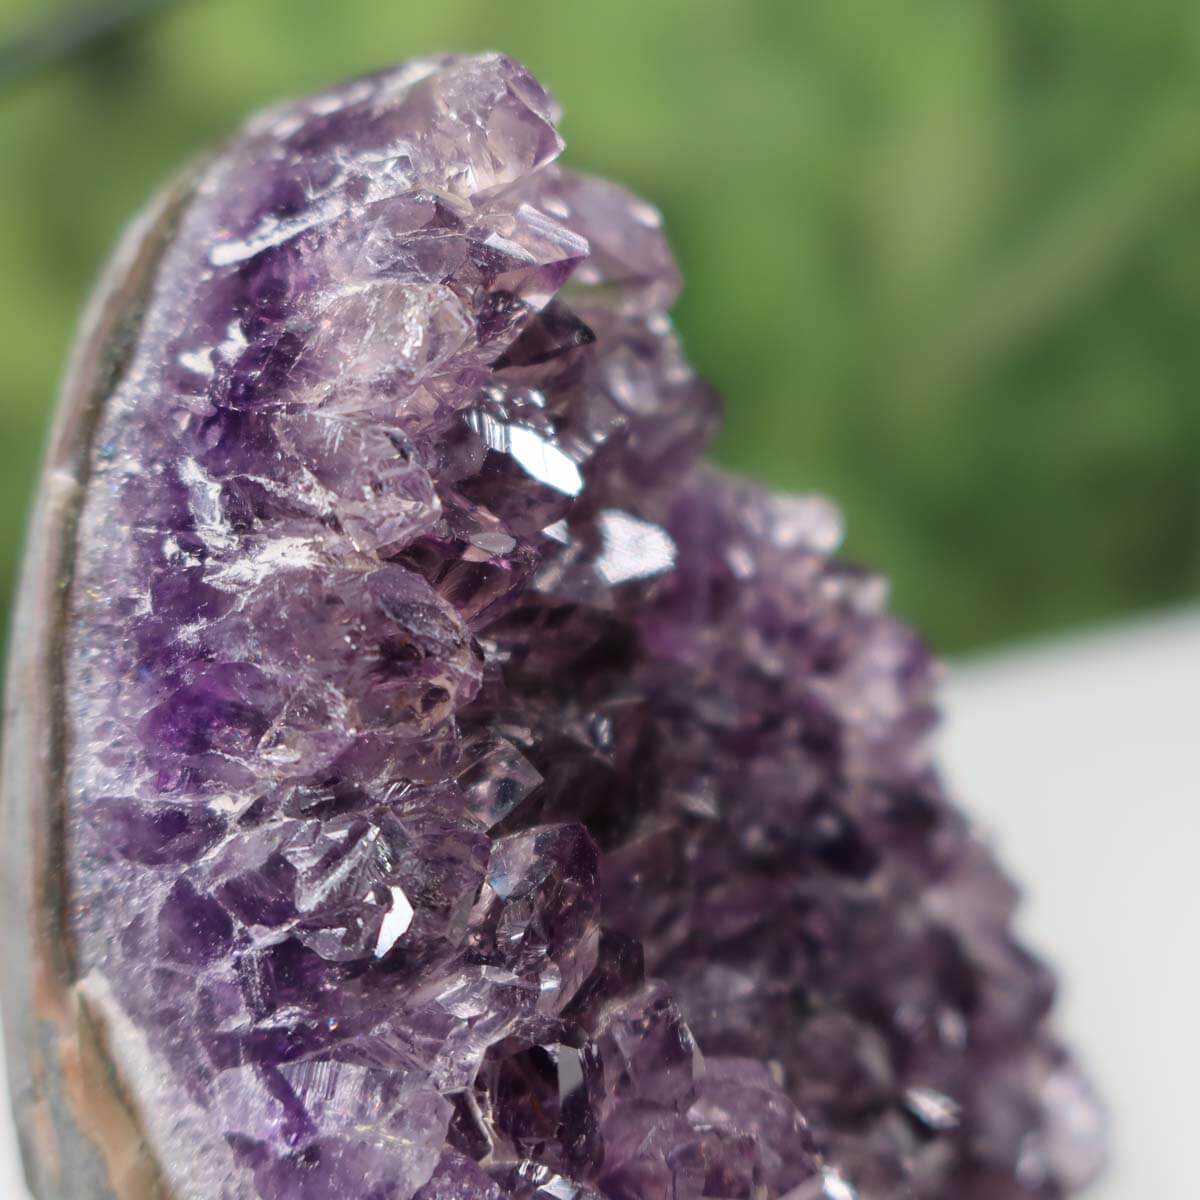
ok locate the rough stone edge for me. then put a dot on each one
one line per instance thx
(79, 1137)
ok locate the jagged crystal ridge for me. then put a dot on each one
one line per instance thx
(472, 794)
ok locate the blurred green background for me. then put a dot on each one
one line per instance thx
(942, 256)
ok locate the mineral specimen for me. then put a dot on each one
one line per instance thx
(440, 783)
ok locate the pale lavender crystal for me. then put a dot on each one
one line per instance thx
(471, 795)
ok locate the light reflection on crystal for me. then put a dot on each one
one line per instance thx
(395, 925)
(932, 1107)
(631, 548)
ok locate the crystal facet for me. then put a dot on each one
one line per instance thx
(466, 793)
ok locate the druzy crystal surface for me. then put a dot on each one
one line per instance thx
(471, 794)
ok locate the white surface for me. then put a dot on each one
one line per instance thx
(1080, 756)
(12, 1182)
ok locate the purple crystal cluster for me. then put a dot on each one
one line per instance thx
(471, 794)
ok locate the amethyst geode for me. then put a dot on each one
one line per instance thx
(445, 785)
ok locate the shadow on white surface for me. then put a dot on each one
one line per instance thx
(1080, 757)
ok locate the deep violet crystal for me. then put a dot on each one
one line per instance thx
(469, 793)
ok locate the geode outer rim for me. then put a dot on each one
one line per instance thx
(49, 1035)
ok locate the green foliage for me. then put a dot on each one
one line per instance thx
(942, 256)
